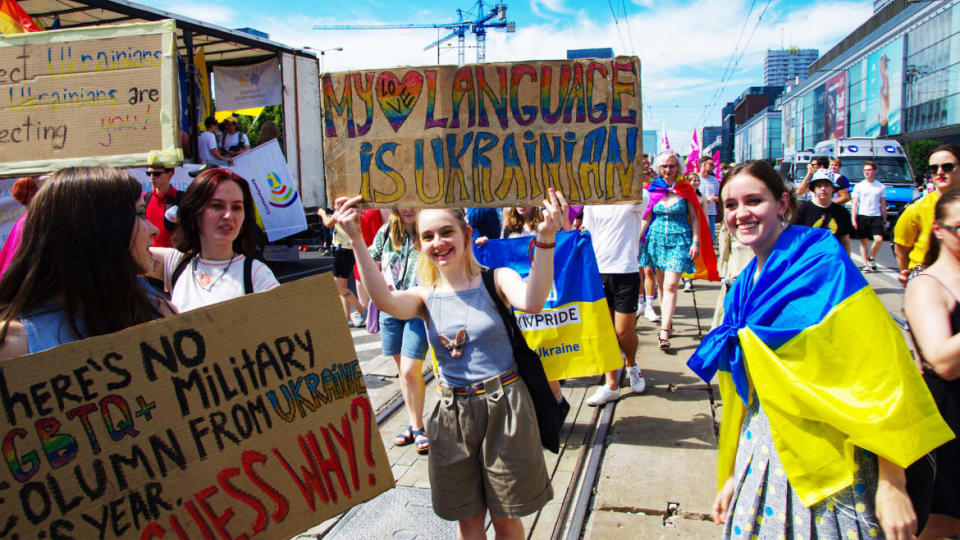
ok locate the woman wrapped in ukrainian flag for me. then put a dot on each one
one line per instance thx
(823, 408)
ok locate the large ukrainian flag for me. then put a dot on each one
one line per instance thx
(573, 334)
(810, 339)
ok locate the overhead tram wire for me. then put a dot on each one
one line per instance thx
(616, 23)
(626, 18)
(726, 70)
(743, 51)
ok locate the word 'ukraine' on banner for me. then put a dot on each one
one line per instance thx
(573, 334)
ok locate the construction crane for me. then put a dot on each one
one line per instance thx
(457, 29)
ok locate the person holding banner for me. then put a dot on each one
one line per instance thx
(485, 450)
(816, 431)
(214, 245)
(75, 274)
(394, 249)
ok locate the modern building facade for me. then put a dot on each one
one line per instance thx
(759, 137)
(783, 66)
(897, 75)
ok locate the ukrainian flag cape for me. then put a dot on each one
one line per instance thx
(811, 340)
(573, 334)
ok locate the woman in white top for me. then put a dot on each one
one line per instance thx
(209, 262)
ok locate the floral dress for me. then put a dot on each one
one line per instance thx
(669, 238)
(765, 506)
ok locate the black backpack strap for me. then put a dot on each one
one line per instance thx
(247, 275)
(146, 197)
(509, 320)
(181, 266)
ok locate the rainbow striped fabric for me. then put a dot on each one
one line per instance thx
(14, 20)
(810, 339)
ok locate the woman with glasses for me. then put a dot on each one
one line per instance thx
(212, 259)
(75, 274)
(911, 234)
(932, 305)
(670, 233)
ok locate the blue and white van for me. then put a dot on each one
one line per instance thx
(794, 166)
(893, 167)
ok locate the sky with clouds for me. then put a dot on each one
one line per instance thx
(685, 47)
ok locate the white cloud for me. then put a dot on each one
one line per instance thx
(683, 48)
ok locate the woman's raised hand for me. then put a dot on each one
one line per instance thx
(555, 213)
(348, 215)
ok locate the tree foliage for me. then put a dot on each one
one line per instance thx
(919, 154)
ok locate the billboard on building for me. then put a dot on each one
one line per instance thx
(835, 115)
(883, 91)
(789, 127)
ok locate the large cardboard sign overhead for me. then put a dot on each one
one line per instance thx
(88, 96)
(245, 419)
(485, 134)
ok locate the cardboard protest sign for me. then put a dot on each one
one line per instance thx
(242, 419)
(273, 188)
(102, 95)
(485, 134)
(573, 335)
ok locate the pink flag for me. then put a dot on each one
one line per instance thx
(693, 158)
(664, 141)
(717, 166)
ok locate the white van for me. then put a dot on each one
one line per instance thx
(893, 167)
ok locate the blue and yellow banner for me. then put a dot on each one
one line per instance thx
(811, 341)
(573, 334)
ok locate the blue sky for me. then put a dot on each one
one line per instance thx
(684, 46)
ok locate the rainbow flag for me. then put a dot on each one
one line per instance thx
(573, 334)
(811, 340)
(14, 20)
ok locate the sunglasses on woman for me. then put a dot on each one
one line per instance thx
(947, 167)
(952, 228)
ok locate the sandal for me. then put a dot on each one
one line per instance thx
(664, 341)
(407, 437)
(423, 443)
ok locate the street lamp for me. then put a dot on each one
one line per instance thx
(323, 52)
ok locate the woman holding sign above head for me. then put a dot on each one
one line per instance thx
(485, 452)
(212, 259)
(75, 275)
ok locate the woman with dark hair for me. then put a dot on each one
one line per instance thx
(816, 432)
(932, 305)
(75, 274)
(214, 245)
(23, 191)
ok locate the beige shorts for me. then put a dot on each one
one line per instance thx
(485, 453)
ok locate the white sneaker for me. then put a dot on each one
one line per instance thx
(637, 383)
(356, 319)
(641, 303)
(687, 285)
(603, 395)
(650, 314)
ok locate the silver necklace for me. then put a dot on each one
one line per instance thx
(203, 279)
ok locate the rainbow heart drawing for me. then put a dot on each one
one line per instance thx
(281, 195)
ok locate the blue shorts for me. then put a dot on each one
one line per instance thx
(407, 338)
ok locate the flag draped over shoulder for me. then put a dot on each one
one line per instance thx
(706, 262)
(811, 340)
(573, 334)
(14, 20)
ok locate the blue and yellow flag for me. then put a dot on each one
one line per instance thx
(810, 339)
(573, 334)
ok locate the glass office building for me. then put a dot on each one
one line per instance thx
(898, 75)
(759, 137)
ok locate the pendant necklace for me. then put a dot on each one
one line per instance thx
(203, 279)
(455, 345)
